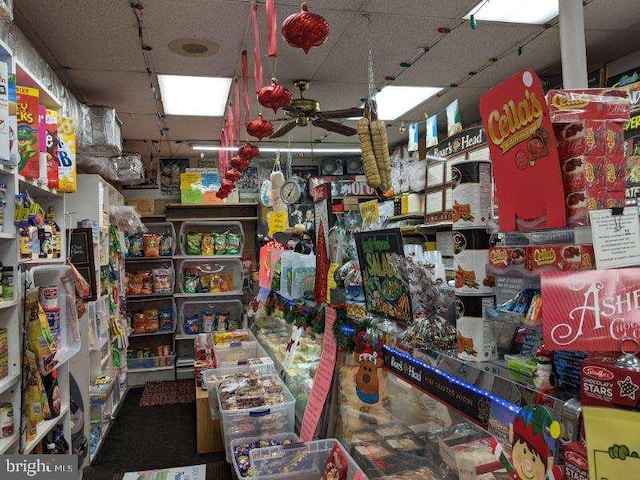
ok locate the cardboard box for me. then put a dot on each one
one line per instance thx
(576, 465)
(604, 384)
(560, 258)
(67, 154)
(28, 132)
(51, 132)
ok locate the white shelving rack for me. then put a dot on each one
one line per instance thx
(93, 201)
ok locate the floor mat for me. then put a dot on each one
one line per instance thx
(157, 394)
(148, 438)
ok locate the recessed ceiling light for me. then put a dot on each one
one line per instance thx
(197, 96)
(515, 11)
(194, 47)
(393, 101)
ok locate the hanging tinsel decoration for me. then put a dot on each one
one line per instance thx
(259, 127)
(274, 96)
(322, 267)
(305, 29)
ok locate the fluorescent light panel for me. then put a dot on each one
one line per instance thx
(216, 148)
(197, 96)
(394, 101)
(515, 11)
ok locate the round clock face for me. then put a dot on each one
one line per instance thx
(290, 192)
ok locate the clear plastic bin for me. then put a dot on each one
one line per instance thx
(230, 356)
(215, 227)
(68, 341)
(233, 308)
(278, 437)
(135, 267)
(205, 269)
(161, 228)
(267, 462)
(150, 363)
(258, 421)
(163, 303)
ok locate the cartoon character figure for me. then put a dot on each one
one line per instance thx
(367, 376)
(533, 438)
(27, 143)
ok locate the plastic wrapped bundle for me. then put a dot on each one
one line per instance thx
(129, 169)
(99, 134)
(99, 165)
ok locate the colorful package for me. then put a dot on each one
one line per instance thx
(151, 243)
(194, 244)
(53, 180)
(166, 245)
(208, 248)
(28, 131)
(221, 243)
(14, 153)
(566, 106)
(67, 154)
(5, 153)
(233, 243)
(42, 143)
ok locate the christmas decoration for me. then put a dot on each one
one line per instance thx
(248, 151)
(240, 163)
(233, 175)
(274, 96)
(322, 267)
(259, 127)
(305, 29)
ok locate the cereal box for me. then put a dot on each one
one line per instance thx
(42, 143)
(28, 131)
(14, 154)
(4, 112)
(67, 154)
(53, 180)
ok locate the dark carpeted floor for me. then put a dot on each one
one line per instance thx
(145, 438)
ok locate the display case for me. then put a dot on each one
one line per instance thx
(296, 354)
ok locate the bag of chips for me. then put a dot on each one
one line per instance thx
(220, 240)
(166, 245)
(232, 243)
(162, 280)
(194, 244)
(151, 244)
(208, 248)
(146, 280)
(136, 246)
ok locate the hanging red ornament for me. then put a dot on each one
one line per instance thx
(259, 127)
(248, 151)
(305, 29)
(322, 267)
(222, 194)
(233, 175)
(227, 185)
(240, 163)
(274, 96)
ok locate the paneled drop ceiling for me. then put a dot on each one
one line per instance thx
(94, 48)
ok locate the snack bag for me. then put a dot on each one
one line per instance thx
(336, 467)
(208, 244)
(67, 154)
(151, 242)
(51, 129)
(194, 244)
(28, 132)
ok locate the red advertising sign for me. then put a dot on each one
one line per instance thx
(590, 311)
(525, 160)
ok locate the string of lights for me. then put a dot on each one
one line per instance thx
(145, 48)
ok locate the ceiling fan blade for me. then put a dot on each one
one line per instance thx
(345, 113)
(286, 128)
(334, 127)
(293, 110)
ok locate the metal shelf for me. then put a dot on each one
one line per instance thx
(36, 189)
(153, 369)
(7, 236)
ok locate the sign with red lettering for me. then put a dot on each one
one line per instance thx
(525, 160)
(590, 311)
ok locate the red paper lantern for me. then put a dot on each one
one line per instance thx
(233, 175)
(240, 163)
(274, 96)
(259, 128)
(305, 29)
(227, 185)
(248, 151)
(222, 194)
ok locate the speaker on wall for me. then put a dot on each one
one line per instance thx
(354, 166)
(332, 166)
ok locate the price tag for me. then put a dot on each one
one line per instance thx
(278, 222)
(616, 238)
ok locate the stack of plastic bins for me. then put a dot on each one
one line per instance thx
(229, 270)
(268, 463)
(161, 303)
(258, 421)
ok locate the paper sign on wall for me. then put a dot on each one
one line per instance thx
(413, 137)
(278, 222)
(616, 238)
(432, 131)
(322, 380)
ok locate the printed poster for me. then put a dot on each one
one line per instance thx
(385, 292)
(413, 137)
(432, 131)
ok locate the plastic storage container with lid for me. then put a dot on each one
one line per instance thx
(210, 277)
(163, 307)
(205, 239)
(258, 421)
(268, 463)
(196, 309)
(278, 437)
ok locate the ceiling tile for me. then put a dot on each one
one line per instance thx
(139, 126)
(321, 6)
(128, 92)
(464, 50)
(422, 9)
(80, 34)
(395, 39)
(217, 21)
(612, 15)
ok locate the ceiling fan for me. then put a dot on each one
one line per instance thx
(304, 111)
